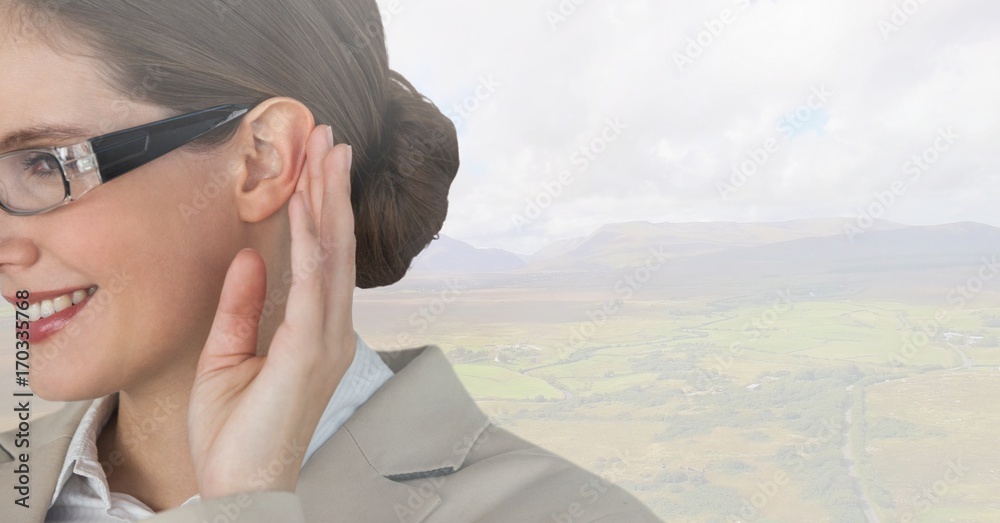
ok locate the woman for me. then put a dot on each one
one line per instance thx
(185, 240)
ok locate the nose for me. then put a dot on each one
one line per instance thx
(17, 248)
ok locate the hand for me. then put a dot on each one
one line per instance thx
(251, 417)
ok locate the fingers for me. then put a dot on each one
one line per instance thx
(323, 246)
(338, 241)
(305, 304)
(233, 337)
(336, 198)
(319, 146)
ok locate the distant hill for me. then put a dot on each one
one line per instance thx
(624, 244)
(714, 250)
(890, 250)
(448, 255)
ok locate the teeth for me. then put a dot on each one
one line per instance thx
(34, 312)
(63, 302)
(46, 308)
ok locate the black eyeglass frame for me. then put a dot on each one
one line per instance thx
(101, 159)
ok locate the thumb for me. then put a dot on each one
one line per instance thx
(233, 338)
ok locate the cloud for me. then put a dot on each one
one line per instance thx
(748, 72)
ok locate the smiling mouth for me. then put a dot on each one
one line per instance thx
(45, 308)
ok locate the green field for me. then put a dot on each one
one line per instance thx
(705, 400)
(497, 382)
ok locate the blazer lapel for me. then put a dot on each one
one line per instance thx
(419, 425)
(421, 422)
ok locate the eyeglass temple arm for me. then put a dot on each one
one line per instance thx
(120, 152)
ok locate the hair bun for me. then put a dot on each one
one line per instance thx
(401, 195)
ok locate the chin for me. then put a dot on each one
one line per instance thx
(55, 381)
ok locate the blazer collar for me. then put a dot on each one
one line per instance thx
(419, 424)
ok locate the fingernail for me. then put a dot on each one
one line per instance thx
(348, 158)
(329, 136)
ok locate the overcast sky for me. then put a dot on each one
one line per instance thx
(646, 107)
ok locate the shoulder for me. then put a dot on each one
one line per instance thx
(507, 478)
(51, 427)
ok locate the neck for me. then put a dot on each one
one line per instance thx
(144, 446)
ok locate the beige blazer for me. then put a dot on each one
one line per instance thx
(419, 450)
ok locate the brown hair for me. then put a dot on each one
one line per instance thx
(186, 55)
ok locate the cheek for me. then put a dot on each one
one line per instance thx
(178, 263)
(161, 268)
(160, 271)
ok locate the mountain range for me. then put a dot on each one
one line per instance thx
(807, 246)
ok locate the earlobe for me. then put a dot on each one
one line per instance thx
(276, 133)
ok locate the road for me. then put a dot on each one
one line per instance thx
(852, 470)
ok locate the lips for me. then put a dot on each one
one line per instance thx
(43, 328)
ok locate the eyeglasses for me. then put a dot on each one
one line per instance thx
(37, 180)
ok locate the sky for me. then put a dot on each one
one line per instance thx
(572, 114)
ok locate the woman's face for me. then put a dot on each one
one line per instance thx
(155, 242)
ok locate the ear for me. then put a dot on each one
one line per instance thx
(273, 137)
